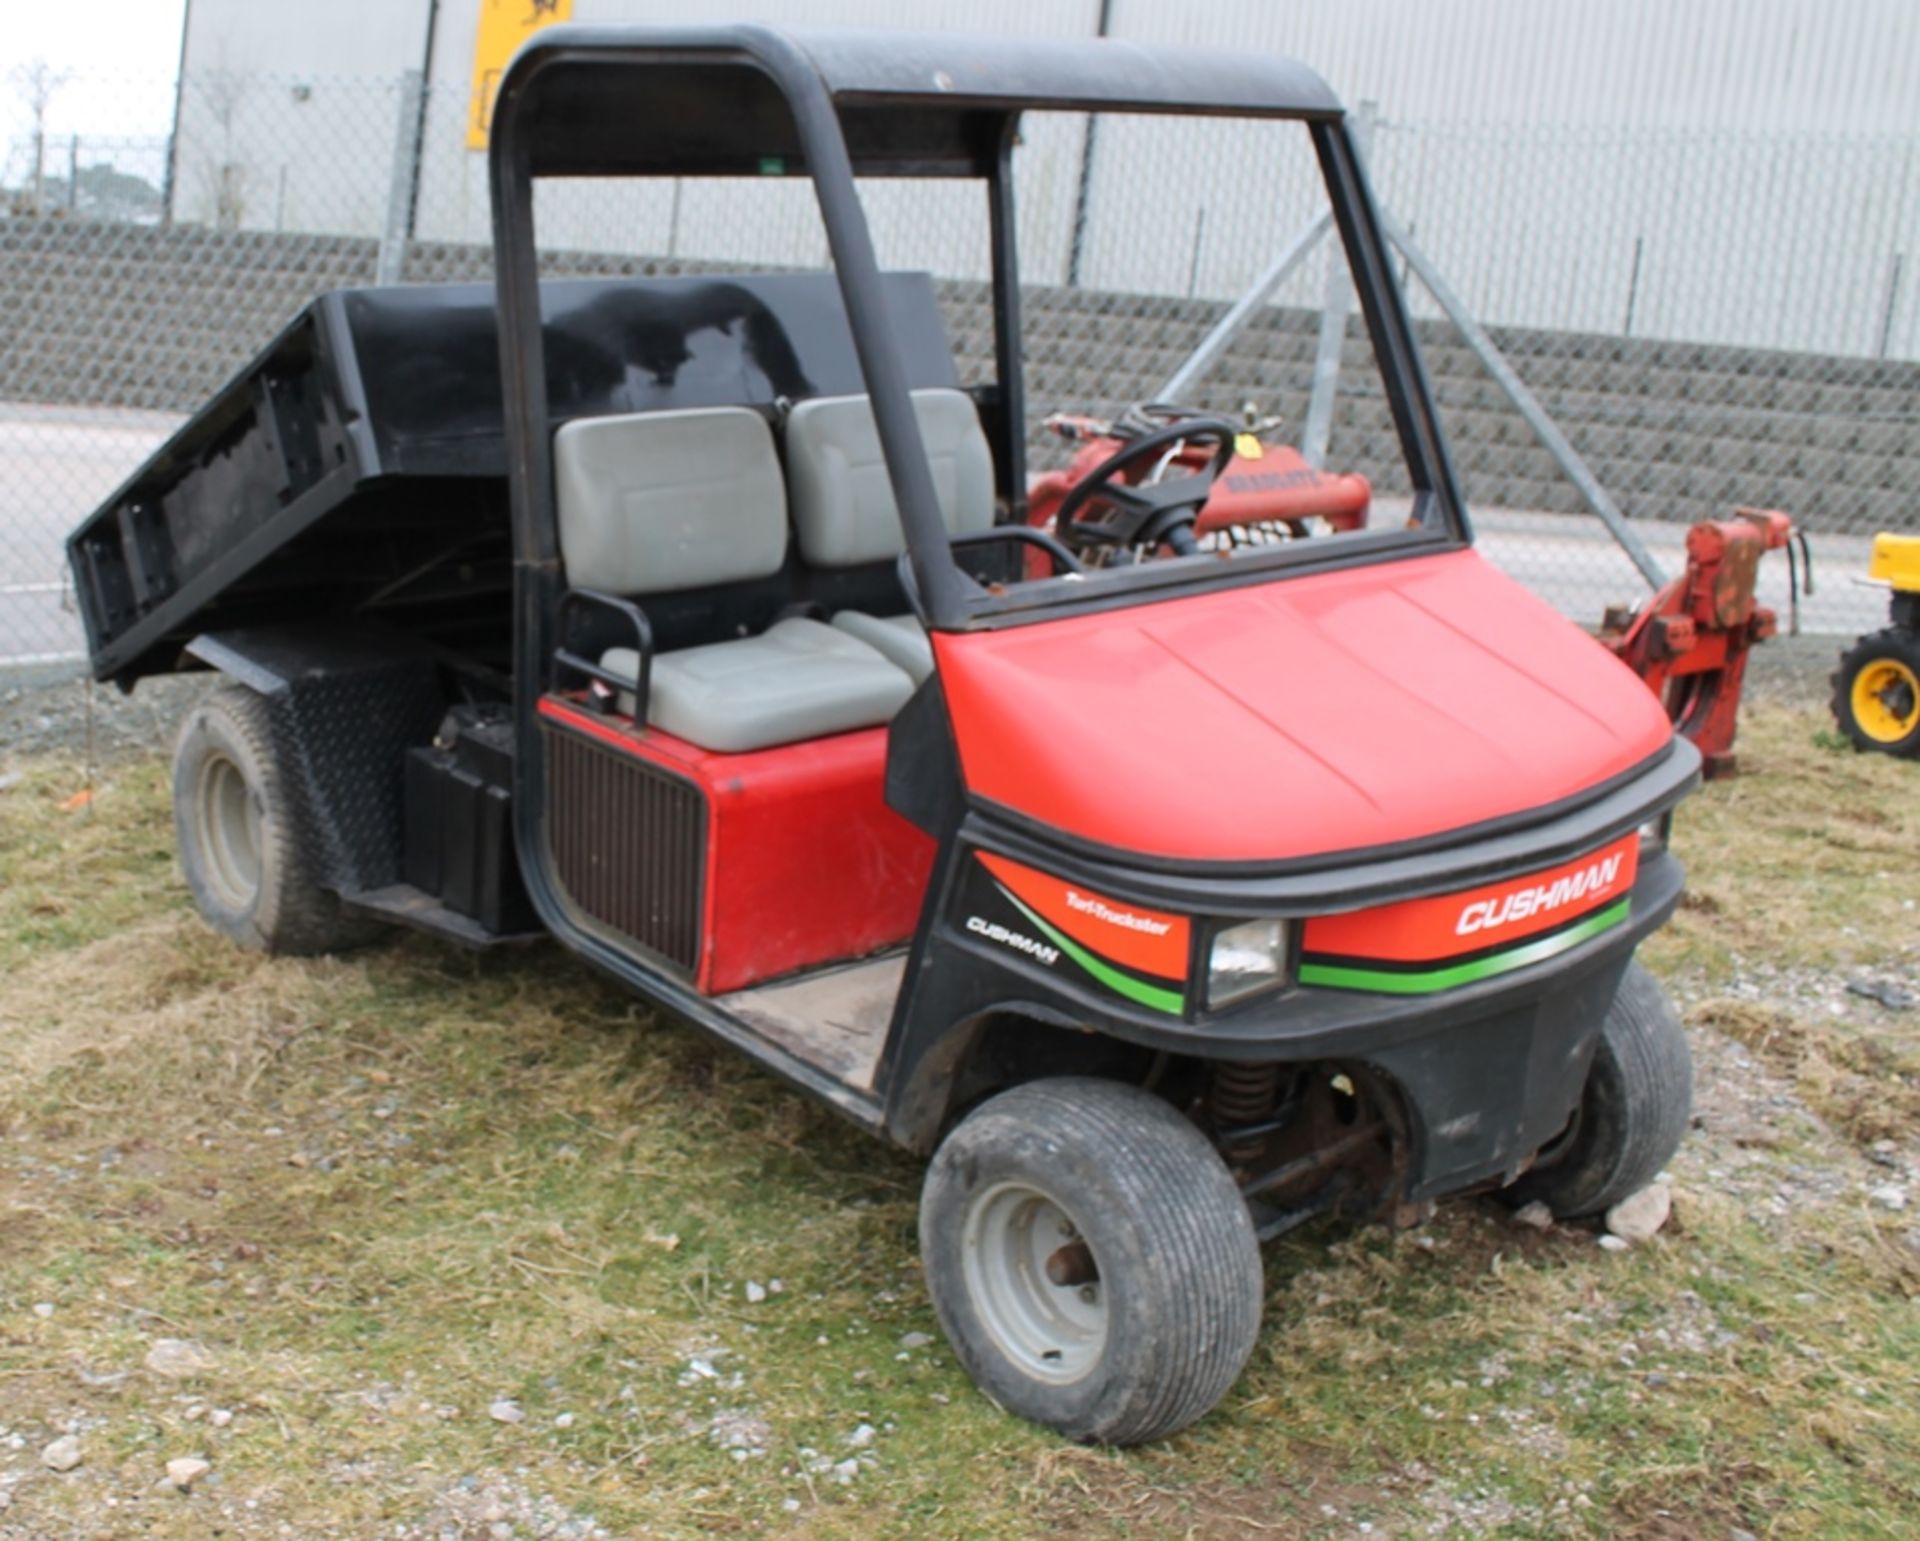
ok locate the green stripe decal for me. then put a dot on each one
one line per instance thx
(1339, 977)
(1121, 984)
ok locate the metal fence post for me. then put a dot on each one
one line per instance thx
(1076, 249)
(400, 180)
(1527, 404)
(1333, 322)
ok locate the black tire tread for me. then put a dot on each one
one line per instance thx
(1642, 1073)
(1201, 1366)
(294, 914)
(1657, 1067)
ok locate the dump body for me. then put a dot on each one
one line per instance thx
(357, 466)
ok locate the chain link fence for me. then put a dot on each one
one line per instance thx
(1710, 319)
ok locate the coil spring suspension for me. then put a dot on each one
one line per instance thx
(1240, 1095)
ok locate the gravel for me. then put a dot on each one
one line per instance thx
(499, 1506)
(1640, 1215)
(64, 1454)
(60, 719)
(178, 1359)
(740, 1430)
(186, 1470)
(1532, 1217)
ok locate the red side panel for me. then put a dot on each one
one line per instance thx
(806, 864)
(1310, 714)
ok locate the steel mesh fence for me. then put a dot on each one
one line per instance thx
(1712, 319)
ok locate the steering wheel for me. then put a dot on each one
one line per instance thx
(1127, 514)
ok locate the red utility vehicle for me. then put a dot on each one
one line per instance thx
(691, 621)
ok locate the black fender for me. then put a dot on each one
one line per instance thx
(346, 700)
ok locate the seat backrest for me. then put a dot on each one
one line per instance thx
(655, 501)
(843, 506)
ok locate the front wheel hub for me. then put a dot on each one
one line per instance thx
(1039, 1299)
(1886, 700)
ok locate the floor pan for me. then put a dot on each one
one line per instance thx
(834, 1018)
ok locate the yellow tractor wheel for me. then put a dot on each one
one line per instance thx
(1876, 692)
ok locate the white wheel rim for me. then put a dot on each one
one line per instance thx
(1053, 1331)
(229, 831)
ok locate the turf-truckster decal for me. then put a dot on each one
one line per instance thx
(1120, 948)
(1421, 945)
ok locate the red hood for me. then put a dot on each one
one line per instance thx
(1312, 714)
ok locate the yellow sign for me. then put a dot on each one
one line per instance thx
(504, 26)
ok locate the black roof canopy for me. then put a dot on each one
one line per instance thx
(716, 101)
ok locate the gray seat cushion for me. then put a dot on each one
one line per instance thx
(900, 639)
(650, 502)
(843, 506)
(799, 679)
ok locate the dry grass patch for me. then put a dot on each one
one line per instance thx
(165, 1004)
(389, 1190)
(1867, 1086)
(1810, 857)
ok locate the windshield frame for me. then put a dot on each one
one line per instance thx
(981, 130)
(1437, 520)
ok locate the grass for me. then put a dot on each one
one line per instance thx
(1804, 878)
(386, 1191)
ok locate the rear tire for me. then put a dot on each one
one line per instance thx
(1158, 1301)
(239, 819)
(1633, 1111)
(1876, 692)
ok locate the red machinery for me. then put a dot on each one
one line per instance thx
(1690, 641)
(1266, 490)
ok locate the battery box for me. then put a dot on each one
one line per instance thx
(459, 820)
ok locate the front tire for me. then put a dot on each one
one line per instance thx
(1633, 1111)
(1876, 692)
(1091, 1260)
(237, 813)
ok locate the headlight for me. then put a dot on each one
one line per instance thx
(1246, 959)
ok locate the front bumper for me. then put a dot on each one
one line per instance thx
(1304, 1023)
(1488, 1072)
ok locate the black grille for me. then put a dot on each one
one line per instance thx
(628, 843)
